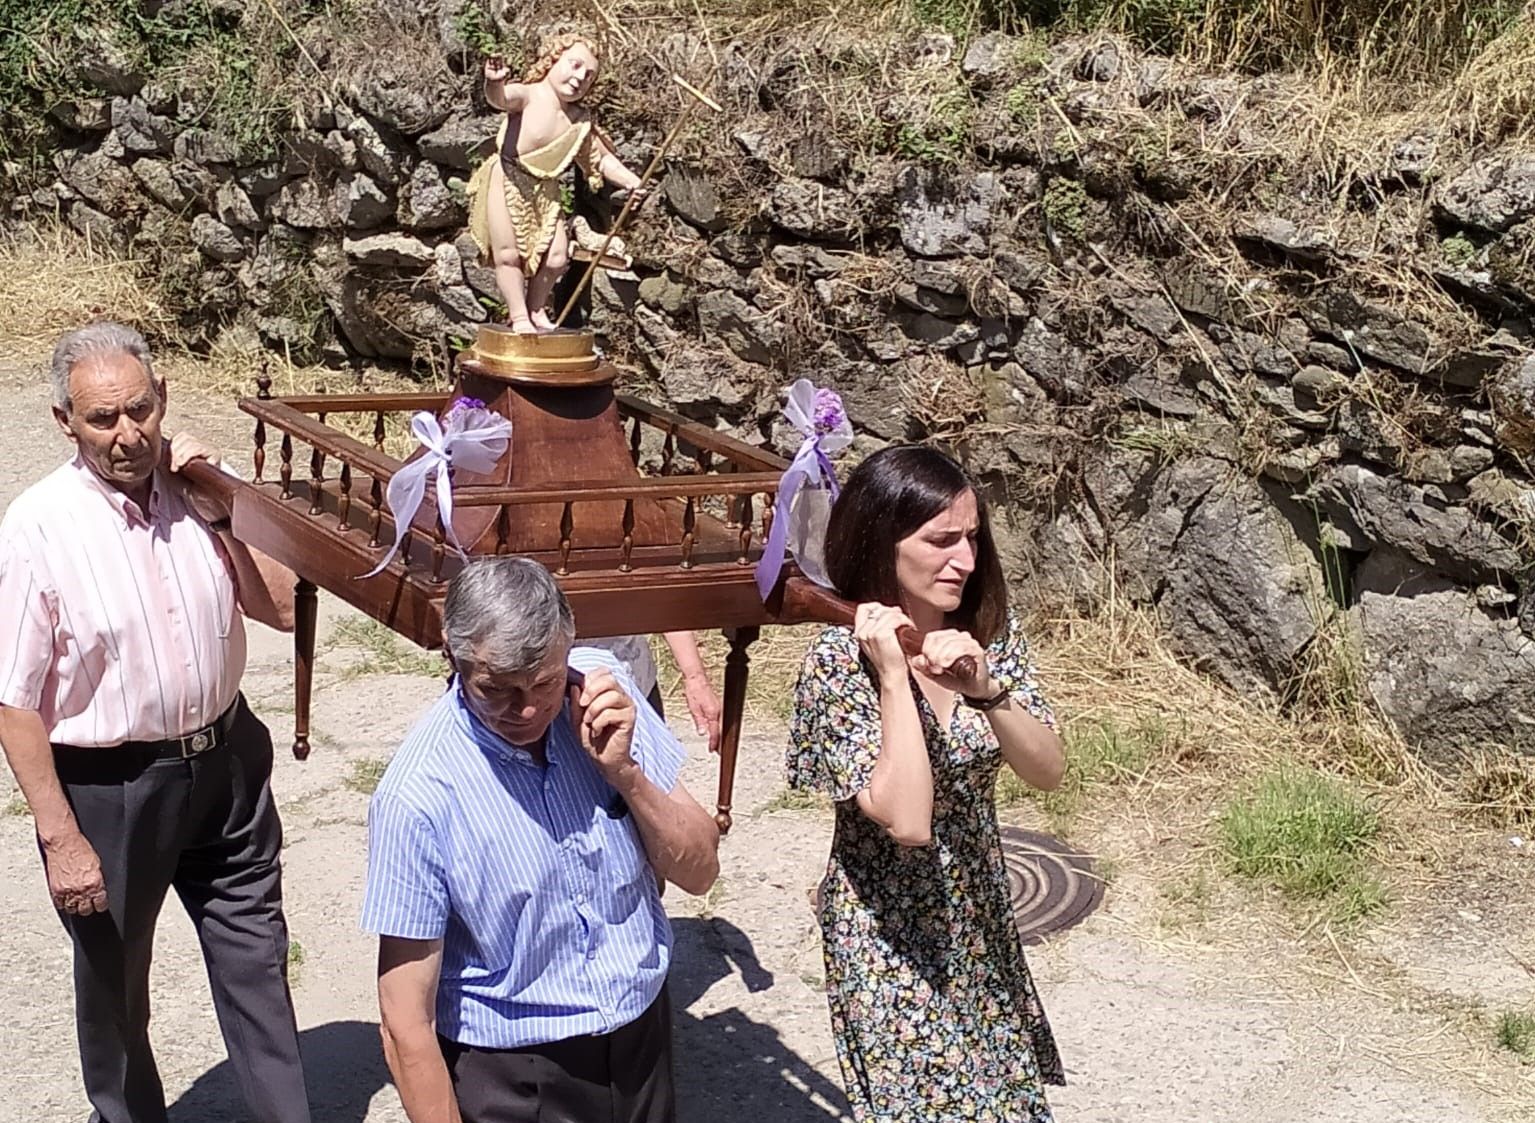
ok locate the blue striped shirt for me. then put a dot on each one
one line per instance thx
(534, 877)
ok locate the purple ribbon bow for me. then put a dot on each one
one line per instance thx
(808, 487)
(470, 437)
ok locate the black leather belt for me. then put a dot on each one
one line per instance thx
(191, 744)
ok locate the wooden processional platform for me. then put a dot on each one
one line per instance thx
(650, 522)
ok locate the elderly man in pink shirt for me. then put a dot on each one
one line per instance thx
(121, 651)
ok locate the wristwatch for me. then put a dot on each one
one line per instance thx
(220, 526)
(984, 704)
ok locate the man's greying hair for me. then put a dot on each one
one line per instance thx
(101, 338)
(504, 613)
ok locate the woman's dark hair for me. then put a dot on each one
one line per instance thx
(887, 498)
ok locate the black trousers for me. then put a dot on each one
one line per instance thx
(206, 826)
(619, 1077)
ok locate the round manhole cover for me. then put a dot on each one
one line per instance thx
(1052, 886)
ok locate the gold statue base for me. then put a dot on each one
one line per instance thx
(561, 356)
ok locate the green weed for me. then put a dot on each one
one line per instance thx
(383, 652)
(1306, 834)
(1097, 756)
(1022, 103)
(1516, 1033)
(1065, 206)
(793, 799)
(365, 774)
(1458, 251)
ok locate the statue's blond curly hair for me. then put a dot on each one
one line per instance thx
(553, 46)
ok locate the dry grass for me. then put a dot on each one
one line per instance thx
(943, 398)
(1494, 93)
(1498, 788)
(53, 279)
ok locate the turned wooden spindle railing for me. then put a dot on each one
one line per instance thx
(263, 393)
(317, 478)
(731, 495)
(503, 531)
(746, 529)
(344, 496)
(439, 548)
(689, 526)
(625, 564)
(669, 451)
(375, 512)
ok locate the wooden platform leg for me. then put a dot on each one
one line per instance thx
(306, 606)
(737, 665)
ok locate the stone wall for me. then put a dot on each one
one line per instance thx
(1280, 402)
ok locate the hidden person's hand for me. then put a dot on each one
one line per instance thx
(704, 706)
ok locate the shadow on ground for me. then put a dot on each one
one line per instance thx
(729, 1066)
(726, 1062)
(343, 1066)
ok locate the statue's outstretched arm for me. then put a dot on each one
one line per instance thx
(500, 91)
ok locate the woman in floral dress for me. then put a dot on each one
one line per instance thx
(934, 1013)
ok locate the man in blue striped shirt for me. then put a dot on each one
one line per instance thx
(516, 847)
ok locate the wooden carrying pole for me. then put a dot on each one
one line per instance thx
(804, 599)
(698, 97)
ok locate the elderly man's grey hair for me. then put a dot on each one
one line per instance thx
(505, 612)
(100, 338)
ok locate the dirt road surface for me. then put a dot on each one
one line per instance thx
(1152, 1031)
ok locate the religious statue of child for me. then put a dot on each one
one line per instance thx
(514, 198)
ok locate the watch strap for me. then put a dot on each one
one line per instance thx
(985, 704)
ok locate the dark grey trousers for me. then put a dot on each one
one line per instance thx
(619, 1077)
(206, 826)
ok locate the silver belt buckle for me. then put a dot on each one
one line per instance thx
(199, 742)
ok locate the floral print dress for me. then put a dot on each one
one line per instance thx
(935, 1015)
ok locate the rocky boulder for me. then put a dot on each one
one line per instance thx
(1492, 194)
(104, 183)
(691, 195)
(945, 216)
(813, 210)
(1242, 590)
(746, 330)
(461, 143)
(1513, 396)
(1444, 671)
(426, 203)
(1374, 510)
(215, 239)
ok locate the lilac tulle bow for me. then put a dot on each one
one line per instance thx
(808, 487)
(470, 437)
